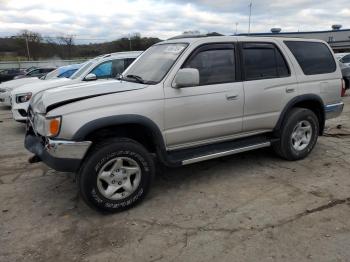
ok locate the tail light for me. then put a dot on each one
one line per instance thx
(342, 88)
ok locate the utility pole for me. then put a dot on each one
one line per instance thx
(236, 28)
(27, 45)
(250, 15)
(130, 41)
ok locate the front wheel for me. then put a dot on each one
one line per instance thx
(298, 135)
(116, 175)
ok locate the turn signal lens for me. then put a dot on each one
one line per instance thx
(343, 90)
(54, 126)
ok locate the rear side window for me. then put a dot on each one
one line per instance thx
(215, 66)
(263, 61)
(313, 57)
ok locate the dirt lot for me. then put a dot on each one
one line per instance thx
(247, 207)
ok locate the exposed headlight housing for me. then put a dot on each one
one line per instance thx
(22, 98)
(48, 127)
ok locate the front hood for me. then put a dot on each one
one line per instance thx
(12, 84)
(42, 85)
(52, 98)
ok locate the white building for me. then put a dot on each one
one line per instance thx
(338, 39)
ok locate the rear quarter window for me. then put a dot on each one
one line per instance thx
(313, 57)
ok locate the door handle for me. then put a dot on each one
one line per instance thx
(231, 97)
(290, 90)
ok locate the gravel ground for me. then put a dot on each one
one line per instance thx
(248, 207)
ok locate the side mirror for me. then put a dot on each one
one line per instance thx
(186, 77)
(90, 77)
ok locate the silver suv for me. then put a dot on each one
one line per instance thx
(184, 101)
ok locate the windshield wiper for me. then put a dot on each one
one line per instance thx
(137, 78)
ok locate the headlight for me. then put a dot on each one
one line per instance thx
(22, 98)
(49, 127)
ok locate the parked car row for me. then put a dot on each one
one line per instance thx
(18, 93)
(7, 87)
(10, 74)
(180, 102)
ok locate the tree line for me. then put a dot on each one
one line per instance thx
(33, 46)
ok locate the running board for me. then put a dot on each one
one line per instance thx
(225, 153)
(207, 152)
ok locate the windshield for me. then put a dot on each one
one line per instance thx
(51, 75)
(154, 63)
(82, 69)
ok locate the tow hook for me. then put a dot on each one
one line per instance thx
(34, 159)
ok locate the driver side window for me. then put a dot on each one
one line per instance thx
(103, 70)
(215, 66)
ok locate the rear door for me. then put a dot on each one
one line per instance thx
(268, 85)
(212, 110)
(319, 71)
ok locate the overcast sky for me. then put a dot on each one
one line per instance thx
(105, 20)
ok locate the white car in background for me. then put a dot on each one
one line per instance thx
(344, 59)
(100, 68)
(7, 87)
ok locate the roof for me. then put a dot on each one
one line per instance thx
(211, 39)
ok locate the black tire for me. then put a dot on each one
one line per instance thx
(100, 155)
(284, 146)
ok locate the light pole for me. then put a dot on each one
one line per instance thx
(250, 15)
(27, 47)
(130, 41)
(236, 28)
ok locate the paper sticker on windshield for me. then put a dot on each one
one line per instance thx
(174, 49)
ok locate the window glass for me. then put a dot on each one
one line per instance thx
(263, 61)
(82, 70)
(128, 62)
(103, 70)
(155, 62)
(214, 66)
(313, 57)
(346, 59)
(68, 73)
(52, 74)
(117, 67)
(34, 72)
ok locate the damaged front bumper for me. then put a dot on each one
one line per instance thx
(61, 155)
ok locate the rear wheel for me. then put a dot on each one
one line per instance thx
(116, 175)
(298, 135)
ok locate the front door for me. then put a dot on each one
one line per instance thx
(211, 111)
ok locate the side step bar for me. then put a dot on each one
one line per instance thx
(225, 153)
(211, 151)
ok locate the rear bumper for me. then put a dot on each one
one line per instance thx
(333, 110)
(65, 156)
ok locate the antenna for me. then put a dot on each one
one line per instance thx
(250, 15)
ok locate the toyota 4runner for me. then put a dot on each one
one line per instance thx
(184, 101)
